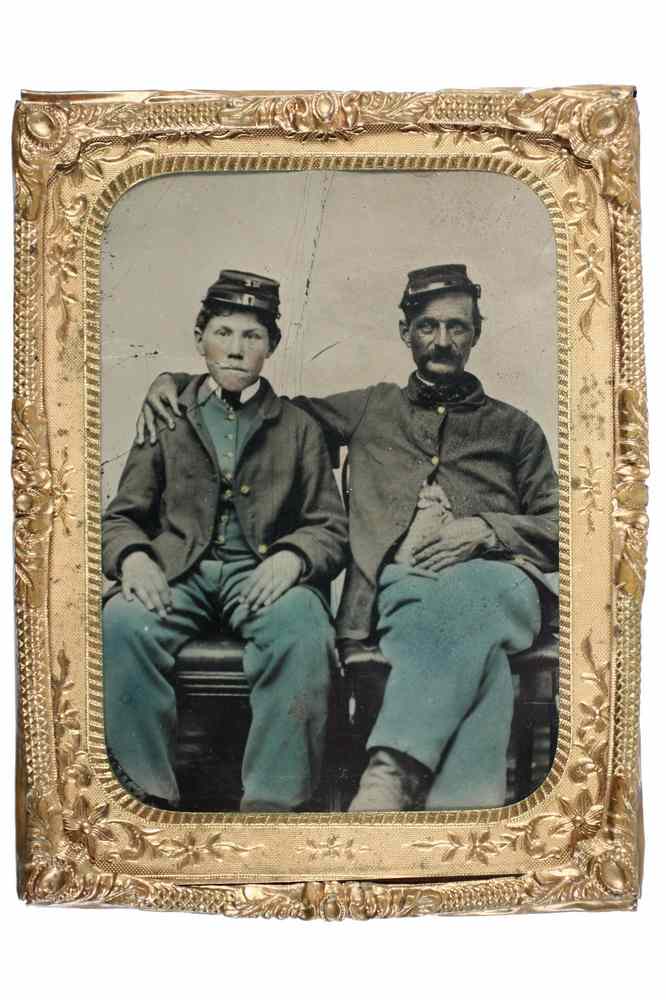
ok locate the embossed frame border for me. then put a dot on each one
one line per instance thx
(576, 841)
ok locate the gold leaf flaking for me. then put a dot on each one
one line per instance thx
(589, 486)
(590, 407)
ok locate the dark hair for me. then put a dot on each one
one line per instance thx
(225, 308)
(414, 307)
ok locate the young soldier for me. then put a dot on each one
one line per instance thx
(454, 532)
(235, 517)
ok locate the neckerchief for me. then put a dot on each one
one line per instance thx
(464, 388)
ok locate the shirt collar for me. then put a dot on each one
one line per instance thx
(246, 394)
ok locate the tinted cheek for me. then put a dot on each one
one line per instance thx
(257, 356)
(217, 350)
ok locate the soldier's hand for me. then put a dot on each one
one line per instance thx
(271, 579)
(141, 576)
(456, 541)
(161, 401)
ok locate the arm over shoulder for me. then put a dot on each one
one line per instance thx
(338, 415)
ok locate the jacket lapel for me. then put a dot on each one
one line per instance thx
(269, 410)
(189, 397)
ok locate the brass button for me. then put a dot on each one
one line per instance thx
(435, 460)
(441, 410)
(228, 454)
(263, 549)
(228, 494)
(220, 539)
(245, 490)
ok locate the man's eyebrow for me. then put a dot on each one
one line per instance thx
(449, 322)
(248, 329)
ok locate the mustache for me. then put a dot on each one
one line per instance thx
(442, 354)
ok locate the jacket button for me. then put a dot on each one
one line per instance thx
(245, 490)
(228, 494)
(263, 549)
(441, 410)
(435, 460)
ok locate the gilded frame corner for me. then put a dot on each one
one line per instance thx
(576, 842)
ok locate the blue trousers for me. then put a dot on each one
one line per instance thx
(449, 696)
(289, 653)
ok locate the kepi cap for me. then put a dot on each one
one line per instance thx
(439, 278)
(250, 291)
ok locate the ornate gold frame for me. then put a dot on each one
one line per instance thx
(576, 841)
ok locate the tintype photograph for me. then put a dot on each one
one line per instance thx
(329, 491)
(330, 455)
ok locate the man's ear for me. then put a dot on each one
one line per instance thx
(403, 326)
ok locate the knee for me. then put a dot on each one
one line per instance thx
(477, 591)
(523, 599)
(497, 599)
(300, 618)
(294, 638)
(122, 619)
(134, 651)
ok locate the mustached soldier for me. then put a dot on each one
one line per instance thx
(454, 535)
(235, 517)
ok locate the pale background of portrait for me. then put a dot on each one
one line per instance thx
(340, 244)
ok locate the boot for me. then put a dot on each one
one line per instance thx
(392, 782)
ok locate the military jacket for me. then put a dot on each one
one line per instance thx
(283, 488)
(491, 458)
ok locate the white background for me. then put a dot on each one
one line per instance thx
(418, 46)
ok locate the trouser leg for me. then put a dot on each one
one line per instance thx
(447, 638)
(139, 699)
(289, 657)
(473, 770)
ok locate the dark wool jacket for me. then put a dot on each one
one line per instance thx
(494, 463)
(284, 492)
